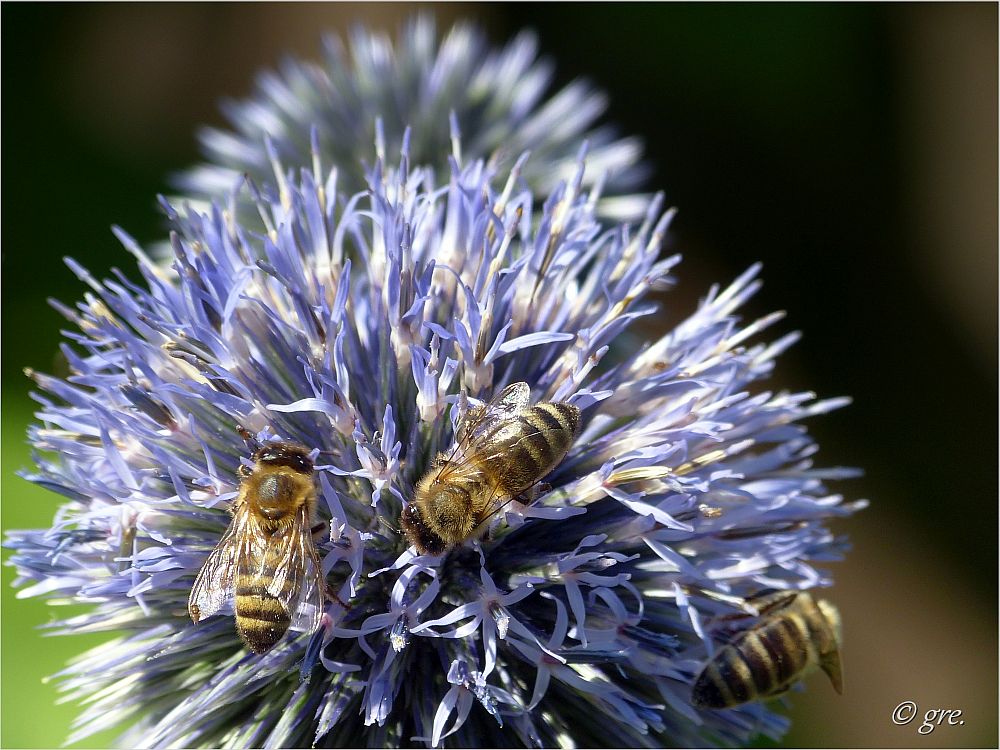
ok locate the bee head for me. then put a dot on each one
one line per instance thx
(285, 454)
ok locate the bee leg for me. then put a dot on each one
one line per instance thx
(534, 492)
(765, 606)
(332, 597)
(774, 602)
(730, 618)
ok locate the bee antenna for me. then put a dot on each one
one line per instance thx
(385, 522)
(248, 437)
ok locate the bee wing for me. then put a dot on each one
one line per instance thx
(480, 422)
(214, 585)
(499, 499)
(298, 574)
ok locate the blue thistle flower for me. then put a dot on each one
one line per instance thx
(362, 327)
(442, 88)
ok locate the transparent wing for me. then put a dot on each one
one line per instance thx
(481, 422)
(501, 444)
(297, 582)
(213, 587)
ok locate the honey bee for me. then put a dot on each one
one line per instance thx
(267, 560)
(795, 634)
(501, 450)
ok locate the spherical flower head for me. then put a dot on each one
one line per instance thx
(365, 327)
(374, 88)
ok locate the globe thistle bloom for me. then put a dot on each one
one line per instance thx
(362, 327)
(441, 88)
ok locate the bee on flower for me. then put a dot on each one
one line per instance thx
(392, 345)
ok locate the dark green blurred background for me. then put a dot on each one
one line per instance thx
(851, 148)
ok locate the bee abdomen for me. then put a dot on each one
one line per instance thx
(762, 662)
(542, 436)
(786, 647)
(725, 681)
(262, 584)
(261, 619)
(558, 416)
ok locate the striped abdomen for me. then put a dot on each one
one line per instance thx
(261, 619)
(524, 449)
(769, 658)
